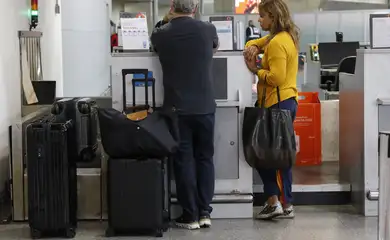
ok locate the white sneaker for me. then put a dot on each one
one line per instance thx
(264, 206)
(205, 222)
(270, 212)
(288, 213)
(186, 224)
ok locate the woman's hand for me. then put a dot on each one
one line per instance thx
(252, 66)
(250, 53)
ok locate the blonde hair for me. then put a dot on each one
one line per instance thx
(282, 20)
(168, 17)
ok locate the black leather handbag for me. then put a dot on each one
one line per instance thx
(268, 136)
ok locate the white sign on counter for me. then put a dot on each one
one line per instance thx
(380, 31)
(225, 31)
(134, 29)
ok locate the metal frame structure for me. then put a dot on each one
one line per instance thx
(382, 195)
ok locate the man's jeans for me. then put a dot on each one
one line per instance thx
(193, 165)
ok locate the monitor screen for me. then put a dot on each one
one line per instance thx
(246, 6)
(220, 78)
(331, 53)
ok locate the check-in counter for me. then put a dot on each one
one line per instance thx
(359, 124)
(233, 89)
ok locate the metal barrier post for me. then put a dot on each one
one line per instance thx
(384, 187)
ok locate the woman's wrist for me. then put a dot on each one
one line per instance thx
(261, 74)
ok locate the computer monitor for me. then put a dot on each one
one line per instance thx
(331, 53)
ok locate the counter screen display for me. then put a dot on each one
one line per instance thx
(246, 6)
(220, 78)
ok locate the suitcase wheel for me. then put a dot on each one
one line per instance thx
(35, 234)
(84, 109)
(110, 232)
(55, 109)
(70, 233)
(159, 233)
(87, 155)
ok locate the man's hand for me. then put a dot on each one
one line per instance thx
(250, 53)
(251, 64)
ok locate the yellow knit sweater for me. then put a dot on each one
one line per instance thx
(279, 67)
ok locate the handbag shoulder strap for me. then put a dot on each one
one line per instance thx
(265, 82)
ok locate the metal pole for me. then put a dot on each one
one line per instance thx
(155, 12)
(384, 187)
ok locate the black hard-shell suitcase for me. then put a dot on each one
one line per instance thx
(138, 196)
(83, 112)
(52, 181)
(86, 123)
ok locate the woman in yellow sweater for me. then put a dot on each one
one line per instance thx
(278, 69)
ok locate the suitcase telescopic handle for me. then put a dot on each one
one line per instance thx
(126, 72)
(153, 82)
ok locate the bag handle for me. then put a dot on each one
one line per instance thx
(265, 83)
(262, 105)
(153, 82)
(125, 72)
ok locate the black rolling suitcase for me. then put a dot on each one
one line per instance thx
(86, 121)
(83, 113)
(138, 188)
(52, 181)
(138, 196)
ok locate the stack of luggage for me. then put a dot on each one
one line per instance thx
(53, 150)
(140, 141)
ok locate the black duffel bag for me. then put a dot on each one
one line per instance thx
(139, 131)
(268, 137)
(155, 136)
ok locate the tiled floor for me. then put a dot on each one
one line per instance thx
(311, 223)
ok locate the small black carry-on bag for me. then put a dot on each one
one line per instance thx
(52, 181)
(138, 184)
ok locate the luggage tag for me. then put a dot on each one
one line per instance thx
(139, 116)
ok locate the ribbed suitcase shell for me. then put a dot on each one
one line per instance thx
(138, 196)
(52, 182)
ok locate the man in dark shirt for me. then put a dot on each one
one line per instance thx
(185, 47)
